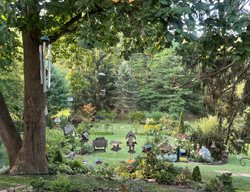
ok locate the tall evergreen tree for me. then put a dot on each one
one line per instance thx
(170, 87)
(125, 87)
(58, 92)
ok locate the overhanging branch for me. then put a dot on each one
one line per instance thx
(70, 27)
(66, 28)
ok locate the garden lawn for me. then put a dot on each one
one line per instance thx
(241, 183)
(120, 131)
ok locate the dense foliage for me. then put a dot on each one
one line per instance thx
(166, 86)
(58, 93)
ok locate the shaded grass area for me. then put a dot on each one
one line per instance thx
(7, 181)
(85, 183)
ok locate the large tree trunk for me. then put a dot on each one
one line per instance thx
(31, 158)
(8, 133)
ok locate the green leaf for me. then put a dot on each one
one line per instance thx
(3, 17)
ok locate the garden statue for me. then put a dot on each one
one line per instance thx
(213, 146)
(68, 129)
(131, 141)
(205, 154)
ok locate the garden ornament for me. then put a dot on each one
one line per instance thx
(100, 143)
(45, 71)
(205, 154)
(85, 137)
(131, 141)
(57, 120)
(115, 145)
(213, 146)
(98, 161)
(242, 159)
(146, 148)
(68, 129)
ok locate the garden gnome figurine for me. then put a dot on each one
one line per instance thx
(131, 141)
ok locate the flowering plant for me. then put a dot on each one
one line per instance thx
(151, 124)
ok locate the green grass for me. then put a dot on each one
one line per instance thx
(85, 182)
(120, 131)
(241, 183)
(208, 171)
(7, 181)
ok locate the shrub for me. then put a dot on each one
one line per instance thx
(57, 157)
(136, 116)
(164, 177)
(149, 167)
(64, 115)
(40, 185)
(222, 183)
(60, 168)
(157, 115)
(107, 114)
(208, 133)
(182, 179)
(166, 122)
(181, 127)
(106, 171)
(55, 140)
(196, 174)
(227, 181)
(83, 127)
(63, 184)
(86, 148)
(208, 124)
(78, 167)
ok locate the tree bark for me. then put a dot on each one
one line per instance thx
(31, 159)
(8, 133)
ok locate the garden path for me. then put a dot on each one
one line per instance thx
(235, 174)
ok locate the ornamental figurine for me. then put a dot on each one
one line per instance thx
(131, 141)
